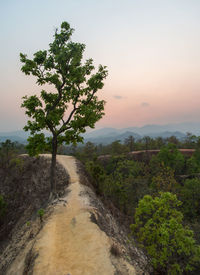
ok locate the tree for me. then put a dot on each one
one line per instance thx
(190, 196)
(159, 142)
(173, 140)
(98, 175)
(170, 156)
(7, 153)
(73, 106)
(164, 181)
(147, 141)
(190, 140)
(193, 163)
(159, 228)
(117, 148)
(130, 142)
(89, 151)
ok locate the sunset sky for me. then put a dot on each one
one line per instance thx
(151, 49)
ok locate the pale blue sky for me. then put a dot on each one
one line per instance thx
(151, 48)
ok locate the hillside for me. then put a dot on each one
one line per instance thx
(78, 235)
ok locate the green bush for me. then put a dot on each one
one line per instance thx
(121, 181)
(18, 163)
(192, 166)
(170, 157)
(40, 213)
(7, 153)
(159, 229)
(190, 196)
(164, 181)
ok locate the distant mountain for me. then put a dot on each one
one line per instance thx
(102, 132)
(167, 134)
(107, 139)
(19, 133)
(108, 135)
(13, 139)
(192, 127)
(19, 136)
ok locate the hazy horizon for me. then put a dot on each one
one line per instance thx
(184, 125)
(151, 49)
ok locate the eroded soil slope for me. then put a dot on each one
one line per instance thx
(25, 188)
(71, 241)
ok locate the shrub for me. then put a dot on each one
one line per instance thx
(190, 196)
(164, 181)
(170, 157)
(159, 229)
(40, 213)
(18, 163)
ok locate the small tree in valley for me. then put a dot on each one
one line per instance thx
(73, 106)
(160, 230)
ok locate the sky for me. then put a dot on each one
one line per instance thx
(151, 49)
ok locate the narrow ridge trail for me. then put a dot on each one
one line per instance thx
(69, 243)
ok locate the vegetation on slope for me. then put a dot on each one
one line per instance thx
(159, 193)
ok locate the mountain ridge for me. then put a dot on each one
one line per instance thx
(109, 134)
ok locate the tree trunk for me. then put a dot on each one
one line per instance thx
(53, 165)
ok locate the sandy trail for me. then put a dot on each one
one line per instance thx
(69, 242)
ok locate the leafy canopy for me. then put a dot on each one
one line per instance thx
(158, 227)
(169, 156)
(190, 195)
(164, 181)
(74, 104)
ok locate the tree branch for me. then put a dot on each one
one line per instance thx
(62, 129)
(50, 127)
(58, 99)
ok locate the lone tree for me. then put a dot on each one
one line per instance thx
(73, 105)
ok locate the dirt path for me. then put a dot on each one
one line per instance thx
(70, 243)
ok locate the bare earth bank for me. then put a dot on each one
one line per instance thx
(71, 239)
